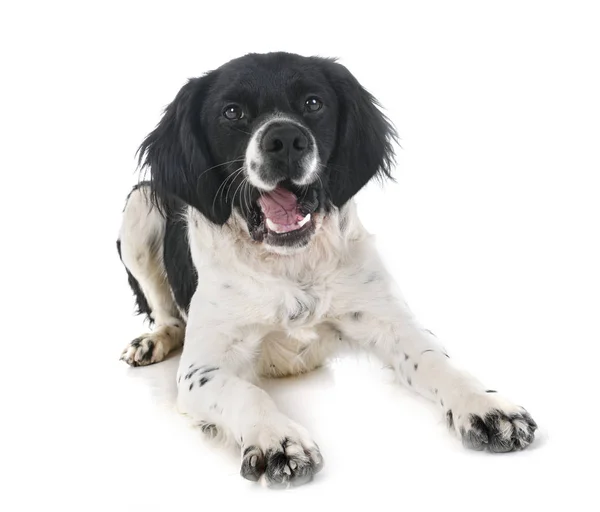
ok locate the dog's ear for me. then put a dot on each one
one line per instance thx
(365, 137)
(178, 156)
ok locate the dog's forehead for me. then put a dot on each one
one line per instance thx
(269, 76)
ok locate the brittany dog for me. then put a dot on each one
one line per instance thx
(245, 248)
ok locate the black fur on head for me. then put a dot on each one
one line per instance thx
(198, 154)
(364, 147)
(178, 155)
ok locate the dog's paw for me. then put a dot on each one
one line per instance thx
(153, 347)
(147, 349)
(487, 421)
(284, 455)
(210, 430)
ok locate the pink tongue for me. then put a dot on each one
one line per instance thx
(280, 206)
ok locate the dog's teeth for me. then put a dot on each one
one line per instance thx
(286, 228)
(304, 220)
(271, 225)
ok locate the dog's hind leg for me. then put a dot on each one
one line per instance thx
(141, 247)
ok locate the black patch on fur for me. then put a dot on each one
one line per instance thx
(191, 386)
(142, 306)
(427, 330)
(147, 356)
(181, 273)
(191, 373)
(491, 391)
(449, 419)
(226, 286)
(428, 350)
(177, 154)
(442, 402)
(416, 366)
(406, 357)
(409, 380)
(357, 315)
(435, 391)
(204, 380)
(180, 270)
(207, 369)
(364, 146)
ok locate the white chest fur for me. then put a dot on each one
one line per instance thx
(288, 304)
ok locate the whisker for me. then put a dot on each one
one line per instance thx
(239, 159)
(236, 190)
(231, 184)
(247, 198)
(231, 177)
(242, 131)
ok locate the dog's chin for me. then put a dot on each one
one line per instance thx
(285, 220)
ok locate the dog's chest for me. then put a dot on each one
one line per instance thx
(301, 305)
(299, 333)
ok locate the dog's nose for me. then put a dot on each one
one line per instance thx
(285, 142)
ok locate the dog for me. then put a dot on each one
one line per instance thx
(246, 244)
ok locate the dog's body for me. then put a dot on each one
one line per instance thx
(246, 242)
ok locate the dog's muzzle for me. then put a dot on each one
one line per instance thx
(281, 150)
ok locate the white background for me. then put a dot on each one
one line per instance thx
(491, 230)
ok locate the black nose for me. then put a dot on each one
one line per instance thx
(286, 142)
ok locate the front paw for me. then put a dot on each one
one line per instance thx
(147, 349)
(283, 453)
(153, 347)
(487, 421)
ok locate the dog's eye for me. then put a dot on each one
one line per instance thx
(313, 104)
(233, 112)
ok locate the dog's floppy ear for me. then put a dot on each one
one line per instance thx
(178, 157)
(364, 147)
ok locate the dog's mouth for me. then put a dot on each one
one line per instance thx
(285, 216)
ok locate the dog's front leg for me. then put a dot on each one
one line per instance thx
(216, 388)
(480, 416)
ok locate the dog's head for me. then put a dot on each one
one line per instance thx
(277, 137)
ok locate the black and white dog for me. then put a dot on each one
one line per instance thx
(246, 244)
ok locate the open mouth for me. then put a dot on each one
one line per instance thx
(285, 217)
